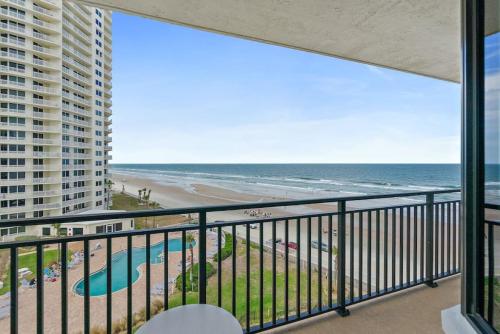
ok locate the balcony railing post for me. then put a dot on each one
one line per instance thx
(429, 240)
(342, 311)
(202, 257)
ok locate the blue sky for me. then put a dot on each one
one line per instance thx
(187, 96)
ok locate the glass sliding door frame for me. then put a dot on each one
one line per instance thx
(473, 165)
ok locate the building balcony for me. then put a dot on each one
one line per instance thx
(77, 155)
(76, 99)
(45, 12)
(76, 190)
(47, 167)
(76, 144)
(50, 3)
(11, 14)
(77, 178)
(75, 64)
(45, 103)
(17, 2)
(76, 121)
(81, 166)
(75, 19)
(44, 38)
(84, 35)
(44, 64)
(76, 76)
(11, 55)
(12, 41)
(44, 141)
(46, 128)
(47, 206)
(386, 316)
(46, 180)
(12, 84)
(11, 70)
(85, 47)
(45, 25)
(12, 140)
(46, 154)
(31, 194)
(373, 261)
(80, 89)
(14, 168)
(46, 193)
(45, 90)
(79, 55)
(45, 76)
(44, 51)
(12, 28)
(85, 134)
(46, 115)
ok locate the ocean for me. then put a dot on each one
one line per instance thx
(304, 180)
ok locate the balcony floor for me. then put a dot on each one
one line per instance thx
(416, 310)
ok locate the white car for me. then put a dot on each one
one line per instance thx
(253, 226)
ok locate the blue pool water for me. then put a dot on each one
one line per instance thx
(119, 267)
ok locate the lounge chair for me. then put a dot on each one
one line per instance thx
(4, 312)
(25, 283)
(157, 292)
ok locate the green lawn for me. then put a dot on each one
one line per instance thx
(28, 261)
(192, 297)
(130, 203)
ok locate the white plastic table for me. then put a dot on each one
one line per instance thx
(192, 319)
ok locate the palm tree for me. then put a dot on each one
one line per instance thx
(190, 241)
(140, 194)
(108, 183)
(154, 205)
(146, 197)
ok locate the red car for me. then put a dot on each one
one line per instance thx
(292, 245)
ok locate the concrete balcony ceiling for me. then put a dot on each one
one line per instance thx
(417, 36)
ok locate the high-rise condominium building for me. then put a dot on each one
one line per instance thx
(55, 108)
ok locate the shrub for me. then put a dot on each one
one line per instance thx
(227, 250)
(210, 272)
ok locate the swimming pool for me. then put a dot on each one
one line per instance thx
(119, 267)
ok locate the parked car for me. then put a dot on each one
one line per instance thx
(315, 245)
(253, 226)
(292, 245)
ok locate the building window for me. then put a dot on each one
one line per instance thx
(46, 231)
(77, 231)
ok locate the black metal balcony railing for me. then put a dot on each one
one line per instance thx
(490, 284)
(369, 253)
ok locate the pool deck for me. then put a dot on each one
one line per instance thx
(52, 290)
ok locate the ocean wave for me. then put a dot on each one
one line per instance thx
(292, 182)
